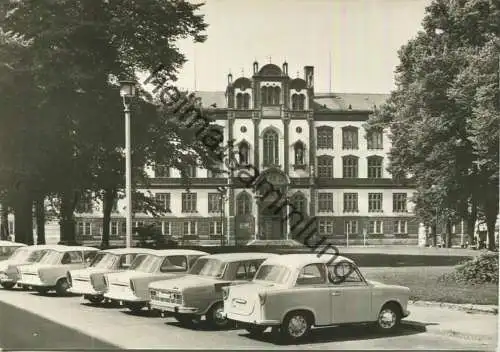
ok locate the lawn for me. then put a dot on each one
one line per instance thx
(424, 285)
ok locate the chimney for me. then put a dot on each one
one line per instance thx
(255, 67)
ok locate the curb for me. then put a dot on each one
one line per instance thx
(448, 332)
(486, 309)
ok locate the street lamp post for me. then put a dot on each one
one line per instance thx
(127, 92)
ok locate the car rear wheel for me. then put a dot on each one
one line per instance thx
(389, 318)
(62, 287)
(296, 326)
(7, 285)
(215, 318)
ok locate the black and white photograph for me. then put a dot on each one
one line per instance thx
(249, 175)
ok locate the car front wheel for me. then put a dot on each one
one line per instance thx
(62, 287)
(389, 318)
(296, 326)
(215, 318)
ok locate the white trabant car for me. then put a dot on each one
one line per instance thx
(130, 287)
(199, 293)
(9, 268)
(294, 292)
(7, 248)
(50, 273)
(89, 282)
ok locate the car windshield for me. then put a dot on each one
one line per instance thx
(104, 260)
(20, 254)
(272, 273)
(208, 267)
(147, 264)
(51, 257)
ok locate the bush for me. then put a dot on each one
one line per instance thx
(479, 270)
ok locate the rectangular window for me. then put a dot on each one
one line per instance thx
(325, 166)
(350, 138)
(351, 226)
(165, 228)
(215, 228)
(350, 167)
(189, 202)
(163, 201)
(325, 202)
(399, 203)
(85, 228)
(400, 227)
(375, 140)
(375, 167)
(113, 228)
(350, 202)
(189, 228)
(161, 170)
(325, 227)
(214, 203)
(324, 137)
(375, 202)
(123, 226)
(375, 227)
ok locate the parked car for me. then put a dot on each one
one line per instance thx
(199, 294)
(294, 292)
(7, 248)
(50, 273)
(89, 282)
(9, 268)
(130, 288)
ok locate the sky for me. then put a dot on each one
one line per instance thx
(352, 44)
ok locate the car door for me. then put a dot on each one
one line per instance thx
(350, 295)
(312, 291)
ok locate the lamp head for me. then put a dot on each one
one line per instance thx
(127, 89)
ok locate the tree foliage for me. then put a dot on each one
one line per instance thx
(444, 113)
(60, 62)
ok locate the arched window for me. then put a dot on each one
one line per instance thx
(271, 150)
(299, 150)
(263, 95)
(298, 102)
(243, 151)
(239, 101)
(276, 96)
(325, 166)
(243, 204)
(270, 95)
(246, 101)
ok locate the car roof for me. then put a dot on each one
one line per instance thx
(12, 244)
(131, 250)
(46, 246)
(75, 248)
(229, 257)
(177, 252)
(300, 260)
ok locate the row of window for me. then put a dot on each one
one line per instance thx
(375, 202)
(375, 227)
(324, 138)
(117, 228)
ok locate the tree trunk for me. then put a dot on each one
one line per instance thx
(471, 221)
(448, 234)
(40, 219)
(434, 235)
(4, 228)
(109, 197)
(23, 220)
(67, 219)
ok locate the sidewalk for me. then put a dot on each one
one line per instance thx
(445, 321)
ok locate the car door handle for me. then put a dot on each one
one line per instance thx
(336, 293)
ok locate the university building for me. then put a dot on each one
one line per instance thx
(312, 147)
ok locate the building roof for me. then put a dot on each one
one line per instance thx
(11, 244)
(229, 257)
(322, 101)
(131, 250)
(298, 261)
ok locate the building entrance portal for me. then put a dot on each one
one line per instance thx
(272, 192)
